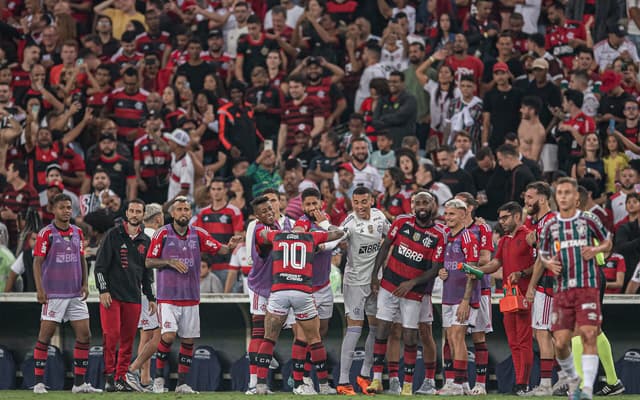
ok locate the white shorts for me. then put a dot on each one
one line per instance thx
(183, 320)
(483, 319)
(450, 319)
(398, 309)
(358, 301)
(302, 304)
(63, 310)
(324, 302)
(147, 322)
(258, 304)
(426, 310)
(541, 315)
(549, 157)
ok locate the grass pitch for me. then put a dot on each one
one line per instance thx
(65, 395)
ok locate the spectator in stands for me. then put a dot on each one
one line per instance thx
(54, 173)
(18, 195)
(120, 15)
(21, 73)
(22, 267)
(465, 112)
(151, 161)
(54, 188)
(563, 35)
(293, 13)
(426, 178)
(590, 164)
(365, 174)
(182, 173)
(253, 49)
(580, 82)
(383, 158)
(612, 101)
(615, 45)
(462, 62)
(544, 89)
(209, 282)
(481, 32)
(394, 201)
(396, 113)
(531, 133)
(457, 179)
(519, 174)
(127, 106)
(464, 154)
(195, 68)
(267, 102)
(500, 107)
(627, 236)
(280, 31)
(264, 173)
(372, 69)
(241, 12)
(237, 128)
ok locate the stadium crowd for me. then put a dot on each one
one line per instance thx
(224, 117)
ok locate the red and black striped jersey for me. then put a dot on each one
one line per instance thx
(38, 160)
(558, 37)
(327, 93)
(149, 44)
(120, 58)
(300, 116)
(153, 161)
(20, 82)
(545, 284)
(222, 64)
(128, 110)
(414, 251)
(293, 254)
(397, 204)
(221, 225)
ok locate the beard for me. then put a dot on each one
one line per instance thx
(184, 221)
(535, 209)
(360, 157)
(108, 153)
(627, 187)
(424, 216)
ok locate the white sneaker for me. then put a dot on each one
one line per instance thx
(85, 388)
(40, 388)
(158, 385)
(542, 391)
(251, 391)
(574, 386)
(185, 389)
(274, 364)
(394, 386)
(466, 389)
(305, 390)
(309, 382)
(453, 389)
(428, 387)
(478, 390)
(326, 389)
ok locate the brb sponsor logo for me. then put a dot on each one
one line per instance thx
(410, 254)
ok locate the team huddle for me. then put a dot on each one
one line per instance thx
(391, 271)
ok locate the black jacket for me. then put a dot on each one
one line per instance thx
(627, 243)
(398, 116)
(120, 268)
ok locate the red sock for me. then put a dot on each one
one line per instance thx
(80, 362)
(430, 370)
(307, 363)
(265, 354)
(379, 351)
(184, 358)
(298, 356)
(40, 354)
(460, 367)
(394, 367)
(257, 334)
(546, 367)
(482, 360)
(162, 356)
(319, 357)
(449, 372)
(410, 353)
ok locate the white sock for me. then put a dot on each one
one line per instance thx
(567, 366)
(349, 343)
(482, 385)
(377, 375)
(545, 382)
(589, 370)
(368, 352)
(253, 380)
(449, 381)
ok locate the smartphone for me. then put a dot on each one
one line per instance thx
(268, 144)
(35, 109)
(612, 126)
(79, 62)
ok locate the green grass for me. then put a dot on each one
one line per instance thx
(64, 395)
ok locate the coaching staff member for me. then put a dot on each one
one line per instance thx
(516, 258)
(120, 272)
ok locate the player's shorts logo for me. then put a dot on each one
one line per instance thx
(167, 325)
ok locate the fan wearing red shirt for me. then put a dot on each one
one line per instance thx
(128, 106)
(463, 63)
(614, 270)
(516, 257)
(579, 125)
(563, 35)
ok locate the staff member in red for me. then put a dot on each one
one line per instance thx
(120, 272)
(516, 257)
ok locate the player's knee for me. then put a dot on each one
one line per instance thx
(478, 337)
(383, 330)
(589, 335)
(168, 337)
(396, 332)
(410, 336)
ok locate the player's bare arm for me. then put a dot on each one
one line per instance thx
(536, 274)
(85, 283)
(589, 252)
(464, 307)
(233, 243)
(491, 267)
(380, 260)
(161, 263)
(406, 286)
(37, 275)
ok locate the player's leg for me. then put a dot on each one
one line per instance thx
(110, 321)
(168, 315)
(41, 350)
(277, 310)
(299, 354)
(388, 311)
(149, 340)
(588, 319)
(428, 346)
(188, 331)
(541, 324)
(323, 300)
(364, 378)
(456, 337)
(410, 311)
(258, 309)
(81, 354)
(563, 323)
(354, 303)
(482, 360)
(394, 343)
(614, 385)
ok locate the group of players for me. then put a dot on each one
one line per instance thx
(389, 276)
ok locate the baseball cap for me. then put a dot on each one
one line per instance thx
(619, 30)
(179, 137)
(153, 114)
(500, 66)
(346, 166)
(56, 184)
(53, 166)
(151, 210)
(215, 33)
(540, 63)
(313, 60)
(106, 136)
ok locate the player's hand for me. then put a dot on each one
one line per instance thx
(375, 285)
(532, 238)
(553, 265)
(178, 266)
(105, 299)
(530, 294)
(404, 288)
(84, 292)
(514, 277)
(234, 242)
(42, 296)
(588, 252)
(443, 274)
(463, 311)
(318, 216)
(153, 307)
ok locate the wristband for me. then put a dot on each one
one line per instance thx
(324, 225)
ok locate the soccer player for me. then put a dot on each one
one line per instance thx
(482, 324)
(293, 254)
(322, 294)
(516, 257)
(60, 273)
(567, 249)
(417, 249)
(365, 228)
(175, 250)
(540, 291)
(267, 211)
(120, 272)
(460, 293)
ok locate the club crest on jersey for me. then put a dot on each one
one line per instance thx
(303, 110)
(582, 229)
(416, 236)
(370, 228)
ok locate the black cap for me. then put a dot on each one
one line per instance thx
(106, 136)
(237, 85)
(152, 114)
(215, 33)
(619, 30)
(313, 60)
